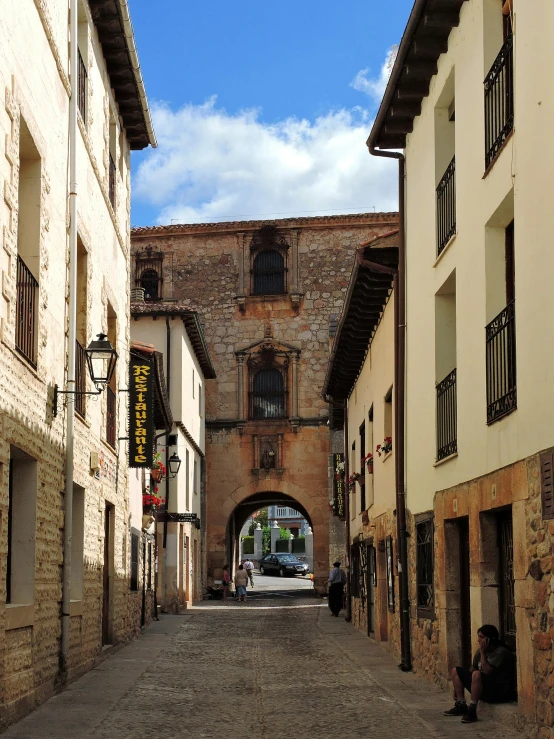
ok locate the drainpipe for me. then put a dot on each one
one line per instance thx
(400, 412)
(348, 616)
(72, 337)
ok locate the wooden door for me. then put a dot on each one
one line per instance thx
(370, 588)
(106, 579)
(465, 609)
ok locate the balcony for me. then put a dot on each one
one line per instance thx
(112, 182)
(446, 206)
(80, 378)
(447, 435)
(110, 417)
(26, 308)
(501, 364)
(499, 101)
(82, 88)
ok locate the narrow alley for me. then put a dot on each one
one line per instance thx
(278, 665)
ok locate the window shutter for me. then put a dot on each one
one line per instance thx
(547, 483)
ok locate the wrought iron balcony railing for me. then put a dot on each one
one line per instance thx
(110, 416)
(499, 101)
(501, 364)
(82, 88)
(26, 319)
(80, 378)
(446, 206)
(112, 181)
(447, 422)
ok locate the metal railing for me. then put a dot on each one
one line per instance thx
(501, 364)
(26, 319)
(82, 87)
(110, 416)
(446, 206)
(112, 181)
(447, 421)
(499, 101)
(80, 378)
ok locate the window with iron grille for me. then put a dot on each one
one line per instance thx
(150, 281)
(149, 274)
(390, 573)
(268, 273)
(425, 567)
(268, 394)
(149, 570)
(134, 561)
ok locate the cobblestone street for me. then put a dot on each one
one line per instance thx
(278, 665)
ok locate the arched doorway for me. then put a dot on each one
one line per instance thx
(253, 503)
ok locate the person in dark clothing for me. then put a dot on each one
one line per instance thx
(490, 677)
(337, 580)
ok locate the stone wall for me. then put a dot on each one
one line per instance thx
(208, 267)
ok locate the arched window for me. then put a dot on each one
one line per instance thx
(268, 271)
(268, 394)
(150, 281)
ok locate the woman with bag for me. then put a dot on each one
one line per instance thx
(226, 581)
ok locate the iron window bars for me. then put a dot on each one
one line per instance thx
(446, 206)
(112, 181)
(501, 364)
(390, 573)
(425, 566)
(26, 320)
(110, 416)
(268, 272)
(499, 101)
(268, 394)
(80, 378)
(447, 441)
(82, 87)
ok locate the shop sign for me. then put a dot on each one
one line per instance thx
(338, 485)
(141, 412)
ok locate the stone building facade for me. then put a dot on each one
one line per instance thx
(464, 102)
(267, 293)
(34, 319)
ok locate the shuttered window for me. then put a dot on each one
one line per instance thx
(547, 483)
(268, 271)
(268, 394)
(425, 567)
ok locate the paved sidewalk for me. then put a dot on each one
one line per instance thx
(261, 670)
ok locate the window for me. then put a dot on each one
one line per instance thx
(269, 273)
(425, 567)
(82, 40)
(388, 414)
(78, 542)
(149, 281)
(445, 163)
(111, 397)
(193, 385)
(445, 368)
(362, 468)
(149, 570)
(22, 504)
(268, 394)
(134, 561)
(370, 448)
(28, 245)
(187, 479)
(353, 468)
(112, 158)
(80, 357)
(199, 399)
(195, 478)
(390, 573)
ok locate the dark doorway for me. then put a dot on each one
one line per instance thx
(506, 579)
(465, 609)
(106, 578)
(371, 573)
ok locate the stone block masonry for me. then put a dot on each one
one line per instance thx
(210, 268)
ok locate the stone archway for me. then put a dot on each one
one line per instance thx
(227, 521)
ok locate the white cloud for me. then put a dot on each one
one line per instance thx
(375, 87)
(212, 165)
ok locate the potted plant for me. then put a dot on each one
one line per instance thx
(384, 448)
(151, 500)
(368, 461)
(158, 468)
(354, 477)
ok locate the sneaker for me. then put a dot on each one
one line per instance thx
(470, 717)
(459, 709)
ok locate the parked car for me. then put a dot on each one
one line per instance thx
(282, 565)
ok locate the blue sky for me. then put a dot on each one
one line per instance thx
(255, 110)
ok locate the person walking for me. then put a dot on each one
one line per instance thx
(337, 581)
(226, 581)
(249, 567)
(241, 581)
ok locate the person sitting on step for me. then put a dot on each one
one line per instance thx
(490, 678)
